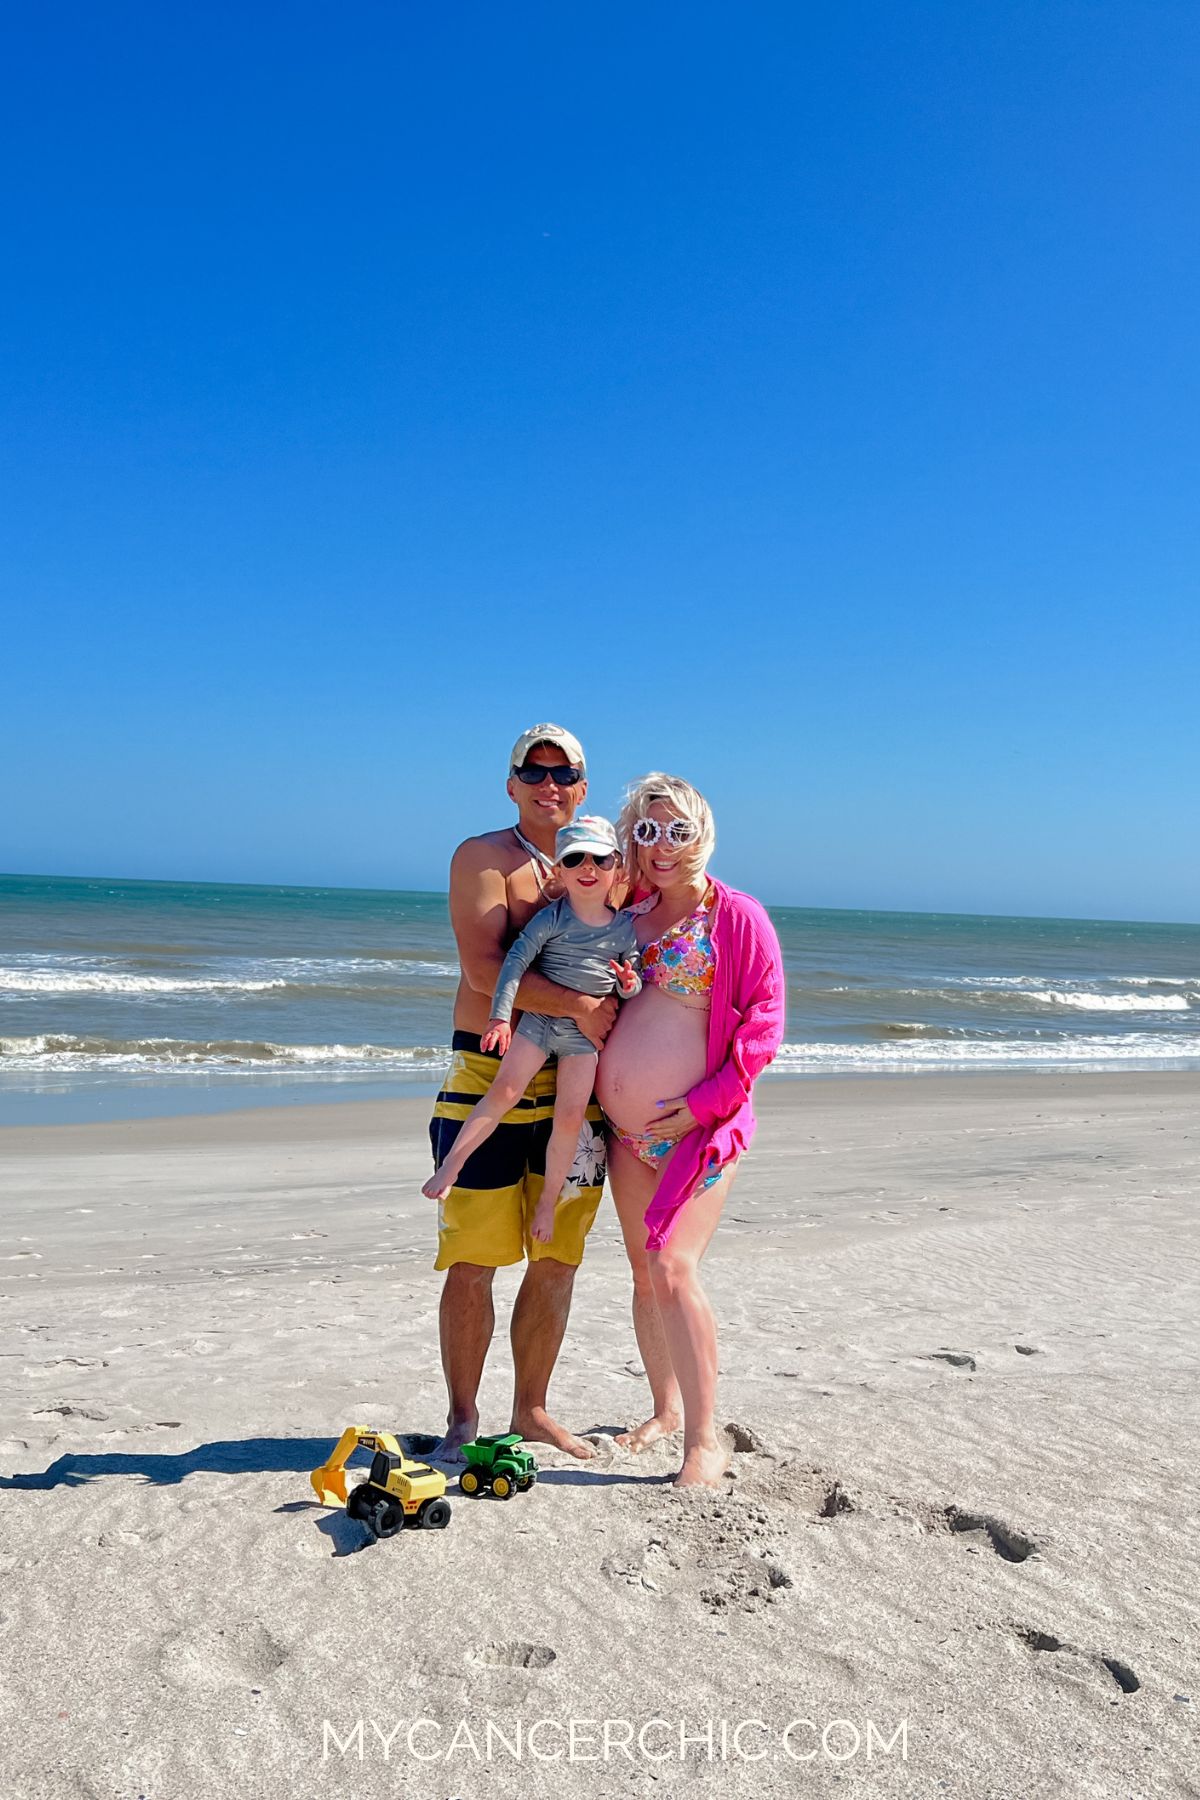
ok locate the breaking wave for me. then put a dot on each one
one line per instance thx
(1094, 1052)
(60, 1052)
(1088, 1001)
(116, 981)
(263, 976)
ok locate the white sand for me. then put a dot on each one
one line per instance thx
(197, 1307)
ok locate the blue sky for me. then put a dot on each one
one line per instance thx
(803, 399)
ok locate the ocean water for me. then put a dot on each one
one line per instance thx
(118, 997)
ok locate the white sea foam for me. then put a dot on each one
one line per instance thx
(1083, 1000)
(65, 1052)
(995, 1053)
(317, 970)
(117, 981)
(43, 976)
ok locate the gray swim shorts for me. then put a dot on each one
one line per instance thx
(557, 1037)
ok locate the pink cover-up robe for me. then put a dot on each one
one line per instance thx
(745, 1029)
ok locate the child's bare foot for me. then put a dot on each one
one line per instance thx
(704, 1466)
(650, 1431)
(438, 1185)
(543, 1224)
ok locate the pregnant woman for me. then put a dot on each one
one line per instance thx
(674, 1080)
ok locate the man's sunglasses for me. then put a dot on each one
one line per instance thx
(574, 859)
(562, 775)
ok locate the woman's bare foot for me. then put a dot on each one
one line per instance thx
(650, 1431)
(537, 1427)
(704, 1466)
(438, 1185)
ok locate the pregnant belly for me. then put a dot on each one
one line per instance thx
(657, 1050)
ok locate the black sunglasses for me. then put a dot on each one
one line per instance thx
(562, 775)
(574, 859)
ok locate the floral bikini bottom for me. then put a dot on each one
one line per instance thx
(653, 1151)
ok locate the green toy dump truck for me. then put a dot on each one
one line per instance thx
(496, 1462)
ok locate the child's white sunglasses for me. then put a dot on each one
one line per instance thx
(677, 833)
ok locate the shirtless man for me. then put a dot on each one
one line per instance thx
(497, 882)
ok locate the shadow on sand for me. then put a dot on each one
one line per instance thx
(261, 1456)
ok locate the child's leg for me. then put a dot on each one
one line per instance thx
(576, 1079)
(518, 1066)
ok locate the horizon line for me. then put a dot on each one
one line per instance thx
(308, 887)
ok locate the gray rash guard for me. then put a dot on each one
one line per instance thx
(569, 951)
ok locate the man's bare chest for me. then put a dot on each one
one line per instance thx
(525, 898)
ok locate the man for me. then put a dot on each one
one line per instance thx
(497, 882)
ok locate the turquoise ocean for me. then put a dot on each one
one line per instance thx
(126, 997)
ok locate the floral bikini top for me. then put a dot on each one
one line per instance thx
(681, 960)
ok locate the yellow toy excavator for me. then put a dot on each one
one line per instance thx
(396, 1492)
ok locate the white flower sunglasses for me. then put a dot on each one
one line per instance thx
(677, 833)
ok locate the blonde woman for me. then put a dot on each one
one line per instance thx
(674, 1080)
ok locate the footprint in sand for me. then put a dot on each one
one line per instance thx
(150, 1425)
(653, 1569)
(815, 1493)
(746, 1587)
(723, 1543)
(1076, 1663)
(836, 1502)
(113, 1540)
(512, 1656)
(988, 1532)
(744, 1440)
(219, 1656)
(65, 1410)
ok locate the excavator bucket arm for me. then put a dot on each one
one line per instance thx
(329, 1481)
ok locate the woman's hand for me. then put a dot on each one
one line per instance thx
(626, 974)
(498, 1036)
(674, 1119)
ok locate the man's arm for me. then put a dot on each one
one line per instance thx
(522, 954)
(479, 917)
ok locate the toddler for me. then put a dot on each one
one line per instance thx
(581, 943)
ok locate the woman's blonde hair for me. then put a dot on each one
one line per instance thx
(683, 799)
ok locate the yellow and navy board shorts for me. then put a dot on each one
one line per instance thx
(486, 1218)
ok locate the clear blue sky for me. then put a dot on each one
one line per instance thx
(801, 398)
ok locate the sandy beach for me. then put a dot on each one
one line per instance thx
(960, 1350)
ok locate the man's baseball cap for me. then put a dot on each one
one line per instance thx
(588, 833)
(562, 740)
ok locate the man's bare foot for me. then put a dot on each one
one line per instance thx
(537, 1427)
(437, 1187)
(458, 1433)
(650, 1431)
(704, 1466)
